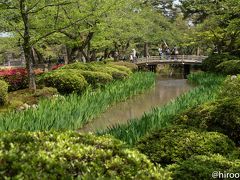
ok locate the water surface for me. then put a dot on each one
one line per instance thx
(165, 90)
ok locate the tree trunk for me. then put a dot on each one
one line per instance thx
(145, 53)
(27, 45)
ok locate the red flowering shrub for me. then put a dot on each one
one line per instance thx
(57, 66)
(16, 78)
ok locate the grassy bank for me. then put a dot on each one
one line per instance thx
(71, 112)
(163, 116)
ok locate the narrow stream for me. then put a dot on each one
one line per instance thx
(165, 89)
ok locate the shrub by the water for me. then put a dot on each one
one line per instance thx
(79, 66)
(95, 78)
(177, 143)
(3, 92)
(133, 67)
(222, 115)
(210, 63)
(70, 155)
(229, 67)
(230, 87)
(120, 68)
(202, 168)
(65, 81)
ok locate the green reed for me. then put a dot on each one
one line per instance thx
(163, 116)
(73, 111)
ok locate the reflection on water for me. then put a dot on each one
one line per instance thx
(165, 90)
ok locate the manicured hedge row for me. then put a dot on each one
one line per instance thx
(3, 92)
(70, 155)
(202, 167)
(178, 143)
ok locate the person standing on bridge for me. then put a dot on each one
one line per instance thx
(134, 54)
(175, 52)
(168, 53)
(160, 51)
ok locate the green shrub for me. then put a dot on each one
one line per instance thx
(133, 67)
(178, 143)
(65, 81)
(120, 68)
(96, 79)
(115, 73)
(46, 92)
(229, 67)
(210, 63)
(221, 116)
(70, 155)
(202, 167)
(3, 92)
(79, 66)
(230, 87)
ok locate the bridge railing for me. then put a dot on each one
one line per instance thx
(173, 57)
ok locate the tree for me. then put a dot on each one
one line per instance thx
(32, 21)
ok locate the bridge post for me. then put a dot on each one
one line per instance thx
(186, 70)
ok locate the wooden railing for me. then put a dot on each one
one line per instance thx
(179, 58)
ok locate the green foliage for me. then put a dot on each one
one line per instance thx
(96, 79)
(70, 155)
(3, 92)
(133, 67)
(79, 66)
(222, 115)
(65, 81)
(230, 67)
(46, 92)
(202, 167)
(120, 68)
(73, 111)
(178, 143)
(230, 87)
(210, 63)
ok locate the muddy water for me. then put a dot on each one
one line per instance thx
(164, 90)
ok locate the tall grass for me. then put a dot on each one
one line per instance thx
(163, 116)
(73, 111)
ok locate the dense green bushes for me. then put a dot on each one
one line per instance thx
(133, 67)
(221, 116)
(95, 78)
(177, 143)
(230, 87)
(210, 63)
(65, 81)
(203, 167)
(70, 155)
(3, 92)
(229, 67)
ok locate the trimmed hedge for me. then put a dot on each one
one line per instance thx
(177, 143)
(96, 79)
(221, 116)
(70, 155)
(3, 92)
(65, 81)
(203, 167)
(79, 66)
(210, 63)
(229, 67)
(230, 87)
(120, 68)
(133, 67)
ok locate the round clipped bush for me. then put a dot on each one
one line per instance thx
(221, 116)
(65, 81)
(178, 143)
(133, 67)
(210, 63)
(120, 68)
(79, 66)
(70, 155)
(96, 79)
(3, 92)
(229, 67)
(230, 87)
(205, 167)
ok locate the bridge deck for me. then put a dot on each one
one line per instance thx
(179, 59)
